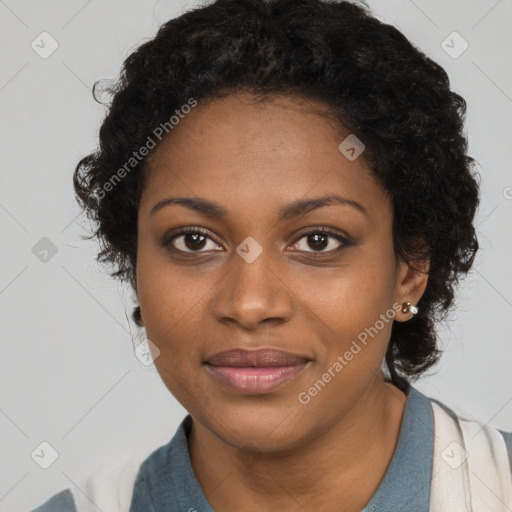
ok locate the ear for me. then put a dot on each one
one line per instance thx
(411, 281)
(137, 316)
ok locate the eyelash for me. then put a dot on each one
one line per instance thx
(314, 231)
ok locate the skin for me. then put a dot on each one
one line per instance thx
(270, 451)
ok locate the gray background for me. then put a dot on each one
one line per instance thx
(68, 373)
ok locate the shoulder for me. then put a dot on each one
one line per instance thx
(507, 436)
(116, 484)
(495, 437)
(60, 502)
(110, 488)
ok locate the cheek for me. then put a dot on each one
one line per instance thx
(347, 297)
(345, 306)
(170, 306)
(168, 294)
(179, 338)
(171, 319)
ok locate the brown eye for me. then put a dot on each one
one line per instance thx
(190, 240)
(319, 240)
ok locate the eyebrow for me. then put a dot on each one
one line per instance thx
(294, 209)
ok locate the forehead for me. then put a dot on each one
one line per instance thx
(260, 153)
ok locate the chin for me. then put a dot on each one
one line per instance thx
(268, 428)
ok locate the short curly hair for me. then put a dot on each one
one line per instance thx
(374, 82)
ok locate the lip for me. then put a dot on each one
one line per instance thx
(256, 371)
(263, 357)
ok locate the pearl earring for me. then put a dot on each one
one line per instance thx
(407, 307)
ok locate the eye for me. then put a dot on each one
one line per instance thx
(320, 239)
(190, 240)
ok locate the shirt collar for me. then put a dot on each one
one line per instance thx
(406, 483)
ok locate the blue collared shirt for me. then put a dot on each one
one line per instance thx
(166, 481)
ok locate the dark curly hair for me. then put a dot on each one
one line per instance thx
(374, 82)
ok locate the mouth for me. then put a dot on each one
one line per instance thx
(256, 371)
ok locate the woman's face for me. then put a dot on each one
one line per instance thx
(253, 278)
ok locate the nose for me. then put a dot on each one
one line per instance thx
(251, 294)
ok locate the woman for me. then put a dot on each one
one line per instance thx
(286, 186)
